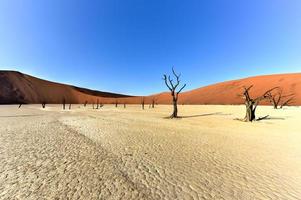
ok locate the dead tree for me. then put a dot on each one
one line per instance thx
(153, 103)
(70, 106)
(287, 102)
(97, 104)
(85, 104)
(124, 105)
(251, 104)
(116, 103)
(43, 104)
(20, 105)
(277, 98)
(173, 87)
(142, 103)
(93, 105)
(64, 103)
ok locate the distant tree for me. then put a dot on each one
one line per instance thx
(97, 104)
(153, 102)
(277, 98)
(251, 104)
(93, 105)
(70, 106)
(64, 103)
(124, 105)
(142, 103)
(116, 103)
(20, 105)
(43, 104)
(173, 87)
(85, 104)
(287, 102)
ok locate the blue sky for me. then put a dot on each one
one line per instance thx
(126, 45)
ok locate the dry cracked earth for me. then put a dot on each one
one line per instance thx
(133, 154)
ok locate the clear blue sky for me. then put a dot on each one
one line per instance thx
(126, 45)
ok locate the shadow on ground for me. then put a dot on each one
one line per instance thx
(204, 115)
(270, 118)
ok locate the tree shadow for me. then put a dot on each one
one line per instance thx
(204, 115)
(269, 118)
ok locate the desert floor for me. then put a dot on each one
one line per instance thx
(117, 153)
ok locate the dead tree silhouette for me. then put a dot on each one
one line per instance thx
(64, 103)
(20, 105)
(153, 102)
(43, 104)
(116, 103)
(142, 103)
(85, 104)
(97, 104)
(173, 87)
(251, 104)
(287, 102)
(70, 106)
(277, 98)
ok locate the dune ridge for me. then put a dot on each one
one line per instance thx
(16, 87)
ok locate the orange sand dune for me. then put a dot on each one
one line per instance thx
(227, 92)
(16, 87)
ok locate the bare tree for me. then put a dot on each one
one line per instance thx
(93, 105)
(277, 98)
(64, 103)
(124, 105)
(20, 105)
(153, 102)
(85, 104)
(43, 104)
(97, 104)
(116, 103)
(251, 104)
(142, 103)
(287, 102)
(70, 106)
(173, 87)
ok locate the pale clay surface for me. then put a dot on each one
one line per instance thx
(117, 153)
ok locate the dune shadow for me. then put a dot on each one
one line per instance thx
(20, 115)
(204, 115)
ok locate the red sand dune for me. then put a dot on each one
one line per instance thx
(227, 92)
(16, 87)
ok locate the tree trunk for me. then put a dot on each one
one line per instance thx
(20, 105)
(70, 106)
(175, 108)
(64, 103)
(250, 113)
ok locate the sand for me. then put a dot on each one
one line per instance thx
(16, 87)
(117, 153)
